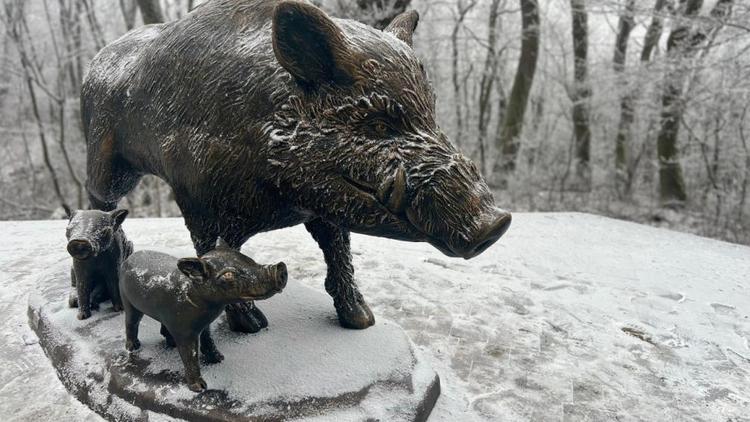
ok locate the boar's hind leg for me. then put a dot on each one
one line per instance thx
(242, 317)
(110, 177)
(350, 306)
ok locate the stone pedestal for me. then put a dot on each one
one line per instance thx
(304, 367)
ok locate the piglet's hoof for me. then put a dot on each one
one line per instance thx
(132, 345)
(73, 300)
(198, 385)
(83, 314)
(116, 307)
(356, 315)
(245, 318)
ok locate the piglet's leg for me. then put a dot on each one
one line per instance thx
(208, 348)
(83, 288)
(132, 321)
(350, 306)
(188, 349)
(73, 298)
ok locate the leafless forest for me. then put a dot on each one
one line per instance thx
(632, 109)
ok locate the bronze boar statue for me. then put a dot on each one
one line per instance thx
(264, 114)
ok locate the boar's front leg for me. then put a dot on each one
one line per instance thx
(350, 306)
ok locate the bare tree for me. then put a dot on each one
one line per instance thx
(129, 9)
(519, 95)
(489, 76)
(462, 9)
(685, 38)
(151, 11)
(581, 93)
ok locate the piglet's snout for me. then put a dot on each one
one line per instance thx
(80, 248)
(279, 275)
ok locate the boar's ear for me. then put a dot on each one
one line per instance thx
(194, 268)
(403, 26)
(309, 45)
(222, 244)
(118, 216)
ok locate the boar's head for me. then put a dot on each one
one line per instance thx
(357, 142)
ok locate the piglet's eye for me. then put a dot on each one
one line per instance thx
(228, 276)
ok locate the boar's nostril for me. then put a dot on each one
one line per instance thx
(80, 248)
(489, 234)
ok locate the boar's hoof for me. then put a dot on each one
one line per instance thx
(198, 385)
(73, 300)
(212, 356)
(132, 345)
(245, 318)
(356, 315)
(84, 314)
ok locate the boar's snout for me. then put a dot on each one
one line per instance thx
(489, 232)
(80, 249)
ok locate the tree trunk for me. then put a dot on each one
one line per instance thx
(129, 10)
(460, 16)
(625, 26)
(625, 167)
(489, 74)
(519, 95)
(151, 11)
(682, 45)
(581, 93)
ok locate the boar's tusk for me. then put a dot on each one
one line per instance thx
(392, 192)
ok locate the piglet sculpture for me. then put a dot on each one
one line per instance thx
(186, 295)
(98, 246)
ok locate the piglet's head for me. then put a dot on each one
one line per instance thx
(225, 275)
(90, 232)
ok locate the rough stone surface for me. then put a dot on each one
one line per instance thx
(306, 366)
(531, 330)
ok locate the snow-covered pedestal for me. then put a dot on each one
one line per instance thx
(303, 367)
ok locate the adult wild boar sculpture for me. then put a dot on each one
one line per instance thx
(263, 114)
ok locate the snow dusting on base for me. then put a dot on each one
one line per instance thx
(568, 317)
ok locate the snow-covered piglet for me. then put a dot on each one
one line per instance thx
(186, 295)
(98, 246)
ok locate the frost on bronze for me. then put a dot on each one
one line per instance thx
(263, 114)
(186, 295)
(98, 246)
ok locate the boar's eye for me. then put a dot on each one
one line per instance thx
(379, 129)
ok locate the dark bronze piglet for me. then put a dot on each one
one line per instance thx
(186, 295)
(98, 246)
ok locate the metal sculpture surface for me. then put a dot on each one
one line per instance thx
(186, 295)
(98, 246)
(264, 114)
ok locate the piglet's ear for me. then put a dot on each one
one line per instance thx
(310, 46)
(68, 212)
(195, 268)
(118, 216)
(403, 26)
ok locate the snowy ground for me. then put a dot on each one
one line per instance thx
(568, 317)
